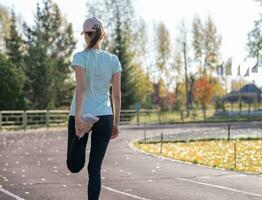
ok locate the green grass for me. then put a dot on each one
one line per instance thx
(169, 117)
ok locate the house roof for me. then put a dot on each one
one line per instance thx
(250, 88)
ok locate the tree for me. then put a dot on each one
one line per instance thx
(50, 45)
(202, 93)
(11, 84)
(254, 43)
(5, 21)
(163, 55)
(15, 50)
(217, 86)
(121, 41)
(206, 44)
(197, 42)
(162, 47)
(236, 85)
(180, 95)
(159, 95)
(211, 45)
(184, 48)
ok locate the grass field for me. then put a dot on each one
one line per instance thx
(168, 117)
(215, 153)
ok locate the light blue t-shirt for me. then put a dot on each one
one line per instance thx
(100, 66)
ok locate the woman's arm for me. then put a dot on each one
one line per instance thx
(116, 96)
(80, 89)
(80, 92)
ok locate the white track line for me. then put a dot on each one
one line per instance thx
(123, 193)
(10, 194)
(221, 187)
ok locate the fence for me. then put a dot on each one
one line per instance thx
(25, 119)
(20, 119)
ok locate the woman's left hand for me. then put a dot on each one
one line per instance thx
(81, 126)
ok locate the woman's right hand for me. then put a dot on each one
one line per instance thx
(81, 126)
(115, 131)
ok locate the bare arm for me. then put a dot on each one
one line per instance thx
(80, 89)
(116, 96)
(80, 126)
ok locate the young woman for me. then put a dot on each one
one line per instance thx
(95, 70)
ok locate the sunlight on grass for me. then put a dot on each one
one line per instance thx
(212, 153)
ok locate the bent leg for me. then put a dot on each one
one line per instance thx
(75, 148)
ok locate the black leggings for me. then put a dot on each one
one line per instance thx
(101, 133)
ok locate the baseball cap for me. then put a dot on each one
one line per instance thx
(90, 23)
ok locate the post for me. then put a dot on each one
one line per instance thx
(161, 144)
(235, 155)
(1, 118)
(186, 78)
(144, 132)
(228, 132)
(182, 115)
(137, 107)
(24, 120)
(159, 116)
(137, 117)
(47, 119)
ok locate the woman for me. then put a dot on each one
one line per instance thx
(95, 70)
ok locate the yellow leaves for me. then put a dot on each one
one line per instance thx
(213, 153)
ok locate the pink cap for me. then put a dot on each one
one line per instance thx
(90, 23)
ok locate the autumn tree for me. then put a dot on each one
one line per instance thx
(202, 93)
(217, 86)
(159, 94)
(206, 45)
(183, 48)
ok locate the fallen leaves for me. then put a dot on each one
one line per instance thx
(213, 153)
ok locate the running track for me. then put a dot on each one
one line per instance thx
(32, 167)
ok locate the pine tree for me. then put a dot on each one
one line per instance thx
(5, 21)
(50, 45)
(11, 84)
(119, 23)
(15, 52)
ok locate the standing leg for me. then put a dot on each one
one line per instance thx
(75, 148)
(99, 141)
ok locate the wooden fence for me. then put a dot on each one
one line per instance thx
(27, 119)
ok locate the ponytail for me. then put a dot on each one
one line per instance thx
(95, 36)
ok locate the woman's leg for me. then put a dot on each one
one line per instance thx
(75, 148)
(102, 131)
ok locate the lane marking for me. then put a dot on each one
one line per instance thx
(221, 187)
(10, 194)
(222, 176)
(123, 193)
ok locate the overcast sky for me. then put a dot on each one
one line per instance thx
(233, 18)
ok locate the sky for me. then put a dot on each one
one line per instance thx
(233, 18)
